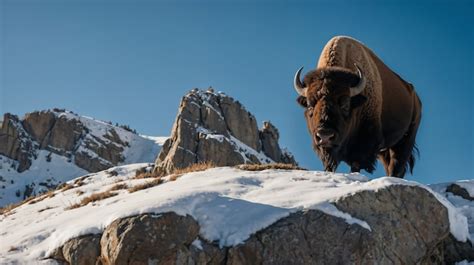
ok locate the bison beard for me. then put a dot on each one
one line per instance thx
(329, 160)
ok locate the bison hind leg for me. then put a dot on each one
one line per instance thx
(402, 155)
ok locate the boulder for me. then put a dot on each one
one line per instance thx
(147, 238)
(213, 127)
(83, 250)
(403, 225)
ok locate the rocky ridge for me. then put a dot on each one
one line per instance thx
(63, 133)
(211, 126)
(46, 148)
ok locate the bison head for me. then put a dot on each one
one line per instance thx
(330, 97)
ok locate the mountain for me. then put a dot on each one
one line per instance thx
(47, 148)
(231, 215)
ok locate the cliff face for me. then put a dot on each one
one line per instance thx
(46, 148)
(61, 133)
(214, 127)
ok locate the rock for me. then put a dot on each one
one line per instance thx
(241, 123)
(459, 191)
(83, 250)
(406, 225)
(455, 251)
(269, 137)
(147, 238)
(398, 217)
(213, 127)
(62, 133)
(39, 124)
(16, 143)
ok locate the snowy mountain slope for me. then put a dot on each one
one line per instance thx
(47, 148)
(222, 200)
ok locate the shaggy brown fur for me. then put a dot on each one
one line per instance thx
(380, 122)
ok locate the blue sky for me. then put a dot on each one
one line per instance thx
(131, 62)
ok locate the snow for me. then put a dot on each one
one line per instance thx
(465, 262)
(465, 207)
(140, 149)
(52, 173)
(468, 185)
(222, 200)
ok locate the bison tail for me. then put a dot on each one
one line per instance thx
(411, 160)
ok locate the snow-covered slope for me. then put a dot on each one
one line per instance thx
(222, 200)
(466, 207)
(70, 145)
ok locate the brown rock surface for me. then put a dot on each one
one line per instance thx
(15, 142)
(408, 225)
(51, 130)
(214, 127)
(160, 239)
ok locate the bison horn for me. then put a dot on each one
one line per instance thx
(361, 85)
(299, 87)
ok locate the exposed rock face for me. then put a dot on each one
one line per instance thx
(15, 142)
(459, 191)
(408, 225)
(214, 127)
(47, 148)
(61, 133)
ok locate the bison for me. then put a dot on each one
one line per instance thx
(358, 109)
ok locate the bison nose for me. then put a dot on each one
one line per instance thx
(325, 136)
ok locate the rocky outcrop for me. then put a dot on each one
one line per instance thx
(16, 143)
(406, 225)
(214, 127)
(62, 133)
(459, 191)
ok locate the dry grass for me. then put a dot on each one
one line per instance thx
(42, 196)
(175, 173)
(67, 186)
(194, 168)
(257, 167)
(119, 186)
(146, 185)
(92, 198)
(7, 209)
